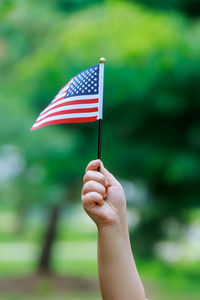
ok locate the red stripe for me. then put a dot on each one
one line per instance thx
(58, 99)
(71, 103)
(64, 90)
(70, 111)
(52, 103)
(72, 120)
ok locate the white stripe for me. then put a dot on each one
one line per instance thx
(66, 100)
(101, 76)
(67, 107)
(56, 98)
(65, 87)
(59, 96)
(66, 116)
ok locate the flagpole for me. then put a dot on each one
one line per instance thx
(101, 80)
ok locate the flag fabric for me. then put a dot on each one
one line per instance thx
(80, 100)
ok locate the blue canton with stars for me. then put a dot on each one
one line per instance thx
(85, 83)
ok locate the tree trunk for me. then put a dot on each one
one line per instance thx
(50, 235)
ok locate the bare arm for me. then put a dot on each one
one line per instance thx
(104, 200)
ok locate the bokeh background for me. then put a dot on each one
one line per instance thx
(151, 142)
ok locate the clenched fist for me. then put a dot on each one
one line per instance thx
(103, 196)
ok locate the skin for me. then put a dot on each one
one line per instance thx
(104, 201)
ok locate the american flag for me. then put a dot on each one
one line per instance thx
(80, 100)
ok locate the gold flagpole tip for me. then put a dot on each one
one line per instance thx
(102, 60)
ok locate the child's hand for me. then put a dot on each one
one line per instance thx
(104, 200)
(102, 196)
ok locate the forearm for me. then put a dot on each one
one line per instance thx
(118, 275)
(105, 202)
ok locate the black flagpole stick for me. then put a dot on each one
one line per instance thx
(101, 79)
(99, 138)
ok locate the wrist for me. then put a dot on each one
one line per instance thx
(119, 228)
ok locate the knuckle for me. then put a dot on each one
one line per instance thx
(85, 177)
(91, 173)
(101, 176)
(94, 176)
(88, 174)
(90, 184)
(82, 191)
(103, 192)
(92, 163)
(91, 196)
(83, 198)
(95, 196)
(86, 198)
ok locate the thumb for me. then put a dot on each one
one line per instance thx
(110, 178)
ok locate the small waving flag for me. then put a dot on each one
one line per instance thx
(80, 100)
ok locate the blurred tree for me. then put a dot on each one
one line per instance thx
(189, 7)
(72, 5)
(151, 107)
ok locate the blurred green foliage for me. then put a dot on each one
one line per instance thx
(189, 7)
(151, 127)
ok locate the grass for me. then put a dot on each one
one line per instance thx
(54, 296)
(83, 269)
(165, 281)
(13, 269)
(162, 281)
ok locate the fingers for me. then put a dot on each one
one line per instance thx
(94, 175)
(94, 164)
(91, 199)
(94, 186)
